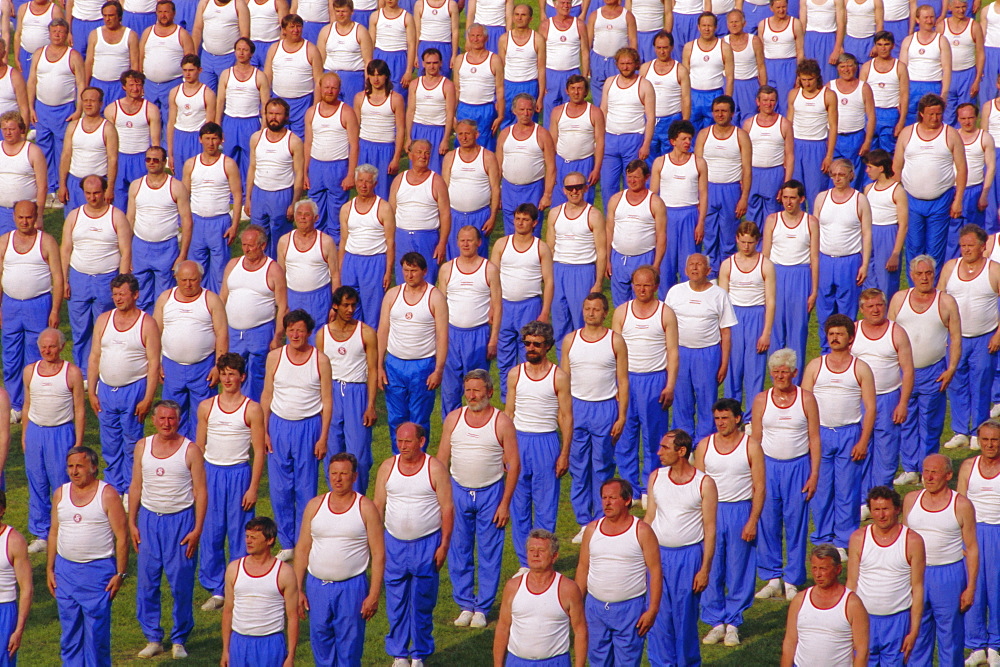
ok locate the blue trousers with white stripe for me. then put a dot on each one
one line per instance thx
(745, 374)
(572, 285)
(291, 469)
(647, 421)
(407, 398)
(120, 430)
(153, 267)
(835, 505)
(879, 467)
(673, 639)
(942, 619)
(839, 289)
(731, 581)
(696, 389)
(209, 247)
(681, 222)
(786, 511)
(365, 274)
(325, 177)
(348, 432)
(161, 552)
(188, 385)
(591, 455)
(269, 209)
(535, 503)
(45, 468)
(721, 222)
(929, 220)
(466, 352)
(245, 650)
(921, 432)
(336, 629)
(90, 295)
(510, 352)
(476, 535)
(253, 345)
(225, 519)
(970, 388)
(411, 591)
(23, 321)
(621, 273)
(611, 635)
(84, 610)
(982, 621)
(885, 638)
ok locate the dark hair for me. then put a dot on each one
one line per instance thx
(528, 209)
(264, 525)
(725, 99)
(210, 128)
(344, 456)
(578, 78)
(679, 127)
(975, 109)
(542, 330)
(884, 35)
(682, 439)
(973, 228)
(232, 361)
(414, 258)
(638, 165)
(431, 52)
(597, 296)
(100, 92)
(707, 15)
(929, 100)
(191, 59)
(728, 405)
(839, 320)
(116, 5)
(344, 291)
(83, 449)
(291, 19)
(885, 493)
(664, 34)
(625, 489)
(880, 158)
(160, 149)
(281, 103)
(132, 74)
(299, 315)
(766, 89)
(381, 68)
(794, 185)
(810, 67)
(748, 228)
(248, 42)
(167, 2)
(126, 279)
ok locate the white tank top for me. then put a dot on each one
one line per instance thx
(316, 11)
(123, 353)
(723, 157)
(140, 6)
(536, 404)
(250, 302)
(293, 74)
(574, 237)
(610, 34)
(192, 110)
(297, 387)
(523, 160)
(343, 52)
(860, 18)
(521, 63)
(8, 580)
(88, 10)
(157, 217)
(706, 67)
(562, 47)
(348, 360)
(329, 136)
(928, 334)
(925, 59)
(35, 28)
(928, 165)
(259, 606)
(977, 302)
(678, 521)
(90, 152)
(940, 529)
(884, 85)
(162, 56)
(476, 452)
(730, 472)
(469, 186)
(209, 187)
(491, 13)
(679, 182)
(521, 271)
(188, 335)
(429, 106)
(896, 10)
(265, 26)
(667, 88)
(975, 158)
(839, 394)
(884, 575)
(416, 205)
(963, 49)
(822, 16)
(851, 115)
(110, 60)
(166, 482)
(366, 234)
(411, 331)
(635, 226)
(617, 567)
(378, 121)
(688, 7)
(539, 626)
(275, 165)
(306, 270)
(17, 176)
(435, 22)
(228, 437)
(983, 493)
(746, 288)
(768, 144)
(339, 542)
(51, 397)
(645, 339)
(56, 83)
(576, 134)
(992, 31)
(8, 98)
(133, 129)
(648, 15)
(883, 205)
(221, 28)
(390, 35)
(25, 275)
(744, 60)
(85, 533)
(810, 120)
(790, 245)
(882, 356)
(412, 510)
(468, 296)
(840, 225)
(784, 433)
(477, 80)
(242, 96)
(626, 114)
(593, 366)
(778, 44)
(825, 636)
(95, 243)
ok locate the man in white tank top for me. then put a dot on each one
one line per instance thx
(889, 83)
(567, 47)
(51, 428)
(636, 226)
(413, 495)
(610, 26)
(981, 161)
(243, 93)
(649, 328)
(341, 535)
(629, 107)
(90, 146)
(516, 48)
(17, 587)
(968, 54)
(438, 32)
(472, 174)
(419, 198)
(87, 567)
(888, 576)
(292, 73)
(167, 505)
(845, 387)
(974, 281)
(932, 323)
(31, 29)
(769, 168)
(740, 482)
(122, 377)
(815, 132)
(711, 58)
(527, 157)
(192, 322)
(309, 258)
(947, 522)
(479, 444)
(582, 147)
(617, 553)
(23, 175)
(159, 46)
(138, 123)
(855, 114)
(111, 50)
(217, 25)
(430, 96)
(666, 75)
(190, 105)
(473, 71)
(827, 622)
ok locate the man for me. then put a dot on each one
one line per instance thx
(267, 583)
(90, 146)
(931, 320)
(86, 17)
(256, 298)
(975, 483)
(32, 285)
(309, 259)
(928, 58)
(617, 553)
(195, 334)
(773, 160)
(522, 622)
(472, 174)
(968, 55)
(412, 346)
(18, 585)
(649, 329)
(121, 377)
(32, 31)
(413, 495)
(22, 171)
(96, 247)
(845, 387)
(53, 425)
(167, 505)
(295, 75)
(243, 93)
(710, 59)
(827, 623)
(629, 107)
(159, 212)
(89, 564)
(855, 114)
(636, 228)
(190, 105)
(578, 132)
(161, 48)
(681, 510)
(341, 535)
(430, 114)
(478, 80)
(471, 286)
(479, 444)
(981, 161)
(522, 51)
(671, 83)
(138, 123)
(217, 26)
(527, 158)
(111, 50)
(278, 154)
(952, 561)
(212, 179)
(812, 111)
(230, 427)
(567, 50)
(704, 317)
(420, 200)
(890, 84)
(297, 402)
(740, 481)
(974, 282)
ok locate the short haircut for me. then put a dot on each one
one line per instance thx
(578, 78)
(86, 451)
(60, 336)
(343, 3)
(748, 228)
(519, 97)
(825, 550)
(628, 51)
(989, 423)
(99, 91)
(342, 292)
(871, 293)
(125, 279)
(13, 116)
(371, 170)
(924, 7)
(528, 209)
(167, 2)
(158, 149)
(475, 230)
(264, 525)
(730, 405)
(290, 20)
(923, 258)
(681, 439)
(882, 159)
(679, 127)
(725, 99)
(766, 89)
(414, 258)
(541, 330)
(847, 58)
(963, 105)
(248, 42)
(708, 15)
(597, 296)
(664, 34)
(882, 35)
(132, 74)
(299, 315)
(844, 162)
(210, 128)
(542, 534)
(795, 185)
(344, 456)
(277, 101)
(973, 229)
(258, 230)
(651, 270)
(887, 493)
(786, 357)
(624, 488)
(468, 122)
(308, 203)
(191, 59)
(56, 23)
(839, 320)
(420, 142)
(232, 361)
(116, 5)
(480, 374)
(930, 99)
(638, 165)
(431, 52)
(531, 12)
(166, 403)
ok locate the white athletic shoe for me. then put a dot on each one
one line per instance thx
(178, 651)
(974, 443)
(957, 440)
(747, 430)
(38, 546)
(995, 411)
(152, 649)
(578, 538)
(286, 554)
(125, 502)
(976, 658)
(771, 590)
(15, 416)
(464, 619)
(790, 591)
(521, 572)
(992, 658)
(843, 554)
(907, 478)
(30, 136)
(416, 662)
(645, 499)
(732, 636)
(865, 512)
(479, 620)
(400, 662)
(85, 384)
(714, 635)
(214, 603)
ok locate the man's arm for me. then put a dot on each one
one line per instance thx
(621, 376)
(966, 514)
(116, 516)
(290, 591)
(151, 339)
(441, 482)
(501, 635)
(376, 548)
(512, 464)
(439, 309)
(709, 505)
(917, 556)
(17, 552)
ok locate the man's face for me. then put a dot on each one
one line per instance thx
(726, 422)
(735, 23)
(696, 268)
(767, 103)
(466, 135)
(612, 502)
(210, 143)
(808, 82)
(644, 286)
(989, 441)
(293, 33)
(885, 514)
(523, 224)
(524, 111)
(922, 276)
(342, 14)
(476, 39)
(91, 102)
(190, 72)
(925, 19)
(188, 281)
(413, 275)
(329, 89)
(342, 478)
(722, 114)
(297, 333)
(535, 349)
(959, 8)
(12, 132)
(477, 395)
(933, 116)
(838, 339)
(706, 26)
(577, 92)
(165, 420)
(432, 64)
(841, 175)
(468, 243)
(275, 117)
(407, 441)
(594, 312)
(364, 183)
(243, 52)
(873, 310)
(883, 48)
(967, 119)
(936, 474)
(93, 192)
(253, 245)
(847, 70)
(110, 16)
(58, 35)
(782, 376)
(134, 88)
(344, 311)
(780, 8)
(49, 347)
(123, 297)
(574, 187)
(257, 544)
(627, 65)
(154, 162)
(305, 219)
(521, 17)
(635, 180)
(230, 379)
(668, 453)
(682, 142)
(971, 248)
(420, 154)
(824, 571)
(747, 244)
(24, 218)
(79, 469)
(540, 556)
(663, 49)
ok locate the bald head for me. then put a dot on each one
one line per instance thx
(188, 269)
(938, 462)
(26, 207)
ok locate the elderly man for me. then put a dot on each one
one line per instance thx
(527, 157)
(195, 334)
(578, 132)
(309, 258)
(420, 200)
(139, 126)
(472, 174)
(479, 83)
(22, 171)
(90, 146)
(636, 227)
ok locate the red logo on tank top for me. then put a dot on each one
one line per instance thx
(843, 100)
(955, 42)
(160, 472)
(408, 316)
(707, 58)
(434, 12)
(341, 351)
(473, 70)
(77, 518)
(921, 51)
(128, 123)
(774, 38)
(562, 38)
(881, 84)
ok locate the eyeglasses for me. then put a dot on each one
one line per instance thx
(578, 187)
(533, 343)
(154, 159)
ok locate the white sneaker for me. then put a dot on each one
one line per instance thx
(714, 635)
(400, 662)
(771, 590)
(865, 512)
(416, 662)
(992, 658)
(521, 572)
(85, 385)
(214, 603)
(125, 501)
(907, 478)
(995, 411)
(152, 649)
(976, 658)
(790, 591)
(479, 620)
(843, 554)
(957, 440)
(286, 554)
(15, 416)
(732, 636)
(38, 546)
(578, 539)
(974, 443)
(178, 651)
(645, 499)
(30, 136)
(747, 430)
(464, 619)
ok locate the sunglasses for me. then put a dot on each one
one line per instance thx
(575, 188)
(533, 343)
(154, 159)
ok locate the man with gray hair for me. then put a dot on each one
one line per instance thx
(480, 445)
(309, 258)
(419, 198)
(479, 86)
(473, 177)
(527, 158)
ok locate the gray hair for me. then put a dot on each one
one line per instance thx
(786, 356)
(83, 449)
(468, 121)
(60, 336)
(843, 162)
(308, 203)
(542, 534)
(826, 551)
(167, 403)
(989, 423)
(58, 23)
(366, 169)
(201, 269)
(257, 229)
(479, 374)
(923, 258)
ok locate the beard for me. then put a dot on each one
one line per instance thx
(533, 357)
(275, 126)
